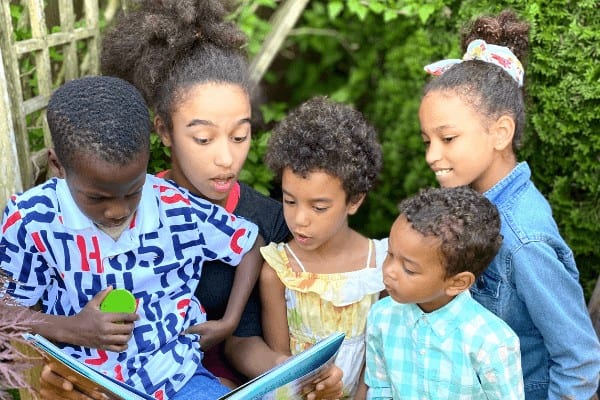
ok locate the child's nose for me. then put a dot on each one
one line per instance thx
(224, 156)
(433, 153)
(117, 210)
(301, 217)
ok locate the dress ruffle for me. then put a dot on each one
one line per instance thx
(341, 289)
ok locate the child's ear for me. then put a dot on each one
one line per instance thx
(56, 168)
(504, 131)
(354, 205)
(162, 131)
(459, 283)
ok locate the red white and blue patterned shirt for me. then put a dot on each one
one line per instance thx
(62, 260)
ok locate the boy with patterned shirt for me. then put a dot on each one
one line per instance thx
(429, 338)
(107, 224)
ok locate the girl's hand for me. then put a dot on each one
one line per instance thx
(211, 332)
(54, 386)
(328, 384)
(101, 330)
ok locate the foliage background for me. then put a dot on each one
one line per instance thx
(371, 53)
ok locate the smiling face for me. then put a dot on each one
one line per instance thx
(315, 207)
(210, 139)
(462, 148)
(413, 270)
(107, 193)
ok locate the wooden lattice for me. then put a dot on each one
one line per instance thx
(21, 165)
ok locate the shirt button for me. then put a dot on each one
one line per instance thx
(422, 352)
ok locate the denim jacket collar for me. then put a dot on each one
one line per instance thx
(504, 190)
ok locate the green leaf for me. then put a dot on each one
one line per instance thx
(334, 9)
(425, 11)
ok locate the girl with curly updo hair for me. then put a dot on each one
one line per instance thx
(328, 275)
(188, 62)
(472, 119)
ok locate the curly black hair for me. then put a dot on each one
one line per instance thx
(164, 47)
(101, 116)
(322, 135)
(466, 223)
(487, 87)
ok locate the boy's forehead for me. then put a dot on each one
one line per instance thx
(93, 170)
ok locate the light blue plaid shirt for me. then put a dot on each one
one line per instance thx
(461, 351)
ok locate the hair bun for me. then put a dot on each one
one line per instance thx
(504, 29)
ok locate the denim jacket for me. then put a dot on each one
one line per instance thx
(533, 285)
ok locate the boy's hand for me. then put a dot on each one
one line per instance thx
(102, 330)
(211, 332)
(54, 386)
(327, 385)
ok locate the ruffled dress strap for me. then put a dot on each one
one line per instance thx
(340, 289)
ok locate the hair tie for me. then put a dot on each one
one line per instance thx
(480, 50)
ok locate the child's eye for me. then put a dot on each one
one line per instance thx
(289, 202)
(201, 140)
(134, 194)
(320, 209)
(448, 139)
(408, 271)
(239, 139)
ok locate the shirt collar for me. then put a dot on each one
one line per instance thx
(444, 319)
(507, 186)
(146, 218)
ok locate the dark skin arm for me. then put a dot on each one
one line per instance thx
(246, 275)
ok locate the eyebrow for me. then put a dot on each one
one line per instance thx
(318, 199)
(443, 128)
(205, 122)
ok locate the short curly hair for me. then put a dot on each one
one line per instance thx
(102, 116)
(322, 135)
(165, 47)
(466, 223)
(486, 86)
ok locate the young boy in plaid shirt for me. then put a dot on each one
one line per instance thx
(429, 338)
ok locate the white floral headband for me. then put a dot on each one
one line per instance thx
(480, 50)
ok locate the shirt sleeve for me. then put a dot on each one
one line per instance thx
(555, 299)
(376, 377)
(225, 237)
(501, 375)
(20, 257)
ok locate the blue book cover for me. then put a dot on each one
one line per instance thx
(87, 379)
(284, 381)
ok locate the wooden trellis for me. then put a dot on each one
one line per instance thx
(22, 167)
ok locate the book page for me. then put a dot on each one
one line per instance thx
(290, 379)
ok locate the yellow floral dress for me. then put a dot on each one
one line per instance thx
(320, 304)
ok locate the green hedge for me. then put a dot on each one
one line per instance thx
(354, 55)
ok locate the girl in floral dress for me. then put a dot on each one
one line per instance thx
(326, 278)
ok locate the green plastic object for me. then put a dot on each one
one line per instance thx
(118, 301)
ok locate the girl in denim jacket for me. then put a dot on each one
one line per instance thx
(472, 119)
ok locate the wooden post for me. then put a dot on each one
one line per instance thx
(10, 175)
(16, 114)
(282, 21)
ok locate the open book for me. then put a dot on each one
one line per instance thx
(284, 381)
